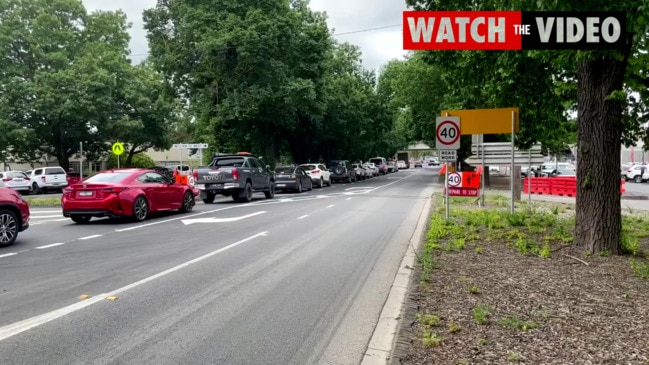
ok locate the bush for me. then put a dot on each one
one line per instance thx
(140, 160)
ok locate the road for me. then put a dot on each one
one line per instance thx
(633, 188)
(300, 279)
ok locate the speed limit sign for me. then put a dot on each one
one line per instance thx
(454, 179)
(448, 133)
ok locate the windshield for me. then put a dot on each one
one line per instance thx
(377, 161)
(15, 174)
(108, 177)
(228, 161)
(309, 167)
(284, 170)
(335, 163)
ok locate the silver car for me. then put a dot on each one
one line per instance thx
(16, 180)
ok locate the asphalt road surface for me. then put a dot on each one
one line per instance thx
(300, 279)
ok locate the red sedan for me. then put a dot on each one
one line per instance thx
(14, 216)
(130, 193)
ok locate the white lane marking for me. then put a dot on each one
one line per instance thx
(304, 216)
(329, 206)
(90, 237)
(35, 211)
(358, 187)
(348, 199)
(27, 324)
(252, 204)
(52, 245)
(219, 220)
(44, 216)
(9, 254)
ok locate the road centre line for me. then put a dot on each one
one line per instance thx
(27, 324)
(9, 254)
(304, 216)
(90, 237)
(329, 206)
(48, 246)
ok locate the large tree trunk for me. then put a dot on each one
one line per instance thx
(598, 212)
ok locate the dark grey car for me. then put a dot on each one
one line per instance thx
(342, 170)
(292, 178)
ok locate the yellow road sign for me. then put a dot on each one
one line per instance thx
(118, 148)
(485, 121)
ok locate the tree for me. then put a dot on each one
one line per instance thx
(598, 78)
(148, 113)
(59, 71)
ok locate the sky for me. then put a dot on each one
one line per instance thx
(354, 21)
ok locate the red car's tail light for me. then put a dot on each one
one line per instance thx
(195, 174)
(113, 190)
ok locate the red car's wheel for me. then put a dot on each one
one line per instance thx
(188, 202)
(140, 209)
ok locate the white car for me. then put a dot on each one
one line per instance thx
(16, 180)
(636, 173)
(319, 174)
(44, 179)
(373, 168)
(402, 164)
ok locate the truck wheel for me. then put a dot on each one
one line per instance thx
(247, 193)
(270, 194)
(209, 199)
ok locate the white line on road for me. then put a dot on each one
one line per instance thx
(219, 220)
(52, 245)
(44, 216)
(9, 254)
(90, 237)
(304, 216)
(329, 206)
(27, 324)
(36, 211)
(348, 199)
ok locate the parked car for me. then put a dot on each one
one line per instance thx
(373, 168)
(319, 174)
(133, 193)
(635, 173)
(419, 163)
(401, 164)
(292, 178)
(239, 176)
(16, 180)
(360, 171)
(392, 167)
(14, 216)
(381, 163)
(564, 173)
(45, 179)
(342, 170)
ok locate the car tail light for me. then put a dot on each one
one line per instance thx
(26, 178)
(293, 177)
(7, 179)
(112, 190)
(315, 172)
(195, 174)
(43, 178)
(67, 191)
(235, 174)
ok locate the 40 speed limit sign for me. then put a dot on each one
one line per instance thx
(447, 133)
(454, 180)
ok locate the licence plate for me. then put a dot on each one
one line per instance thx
(200, 186)
(217, 186)
(280, 184)
(85, 193)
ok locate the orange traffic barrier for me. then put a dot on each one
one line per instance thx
(560, 186)
(182, 179)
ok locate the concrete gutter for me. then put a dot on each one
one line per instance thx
(383, 339)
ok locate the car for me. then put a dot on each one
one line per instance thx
(14, 216)
(381, 163)
(16, 180)
(132, 193)
(401, 164)
(45, 179)
(419, 163)
(319, 174)
(292, 178)
(342, 170)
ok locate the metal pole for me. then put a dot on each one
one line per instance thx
(117, 161)
(511, 173)
(482, 178)
(448, 203)
(180, 168)
(200, 155)
(529, 181)
(80, 161)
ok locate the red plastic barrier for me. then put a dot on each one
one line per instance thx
(560, 186)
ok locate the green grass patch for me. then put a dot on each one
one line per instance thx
(43, 202)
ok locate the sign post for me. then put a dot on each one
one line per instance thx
(118, 149)
(513, 179)
(447, 136)
(80, 161)
(187, 146)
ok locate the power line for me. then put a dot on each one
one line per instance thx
(335, 35)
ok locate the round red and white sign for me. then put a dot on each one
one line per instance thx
(454, 179)
(448, 133)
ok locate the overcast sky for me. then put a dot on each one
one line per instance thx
(378, 46)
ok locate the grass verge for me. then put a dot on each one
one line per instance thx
(43, 202)
(506, 288)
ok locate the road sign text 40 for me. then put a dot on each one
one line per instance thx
(448, 132)
(454, 179)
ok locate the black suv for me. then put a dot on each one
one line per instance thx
(342, 170)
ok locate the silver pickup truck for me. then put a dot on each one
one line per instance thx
(238, 176)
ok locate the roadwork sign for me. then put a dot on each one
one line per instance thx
(118, 148)
(454, 179)
(447, 155)
(447, 133)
